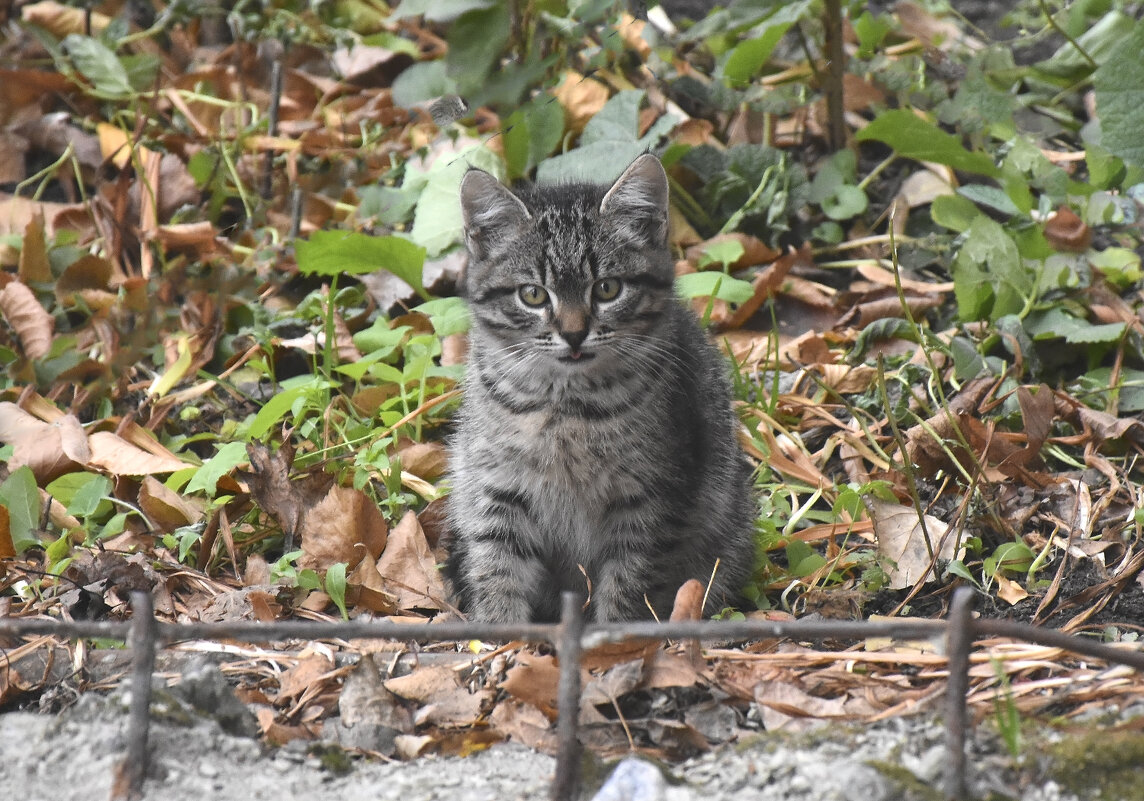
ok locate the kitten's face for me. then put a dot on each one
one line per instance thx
(573, 278)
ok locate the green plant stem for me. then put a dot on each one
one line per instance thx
(878, 169)
(1053, 24)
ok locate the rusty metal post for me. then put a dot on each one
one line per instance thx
(566, 783)
(142, 641)
(959, 640)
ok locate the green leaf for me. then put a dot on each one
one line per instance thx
(871, 30)
(531, 134)
(437, 10)
(714, 284)
(448, 315)
(1010, 557)
(20, 494)
(989, 278)
(722, 252)
(1094, 334)
(91, 496)
(751, 54)
(352, 253)
(226, 458)
(609, 143)
(802, 560)
(1119, 266)
(422, 82)
(954, 212)
(437, 223)
(336, 586)
(991, 197)
(846, 202)
(914, 138)
(99, 64)
(1119, 85)
(476, 40)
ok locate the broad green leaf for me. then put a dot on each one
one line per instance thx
(353, 253)
(531, 134)
(848, 201)
(380, 336)
(476, 40)
(991, 197)
(714, 284)
(90, 496)
(1120, 266)
(871, 30)
(22, 498)
(954, 212)
(989, 278)
(1010, 557)
(722, 252)
(437, 223)
(448, 315)
(226, 458)
(64, 488)
(914, 138)
(422, 82)
(751, 54)
(1095, 334)
(1119, 85)
(438, 10)
(99, 64)
(1129, 392)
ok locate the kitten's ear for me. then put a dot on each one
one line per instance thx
(488, 209)
(638, 201)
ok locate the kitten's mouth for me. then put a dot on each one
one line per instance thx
(577, 356)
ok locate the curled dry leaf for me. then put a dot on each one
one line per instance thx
(31, 322)
(901, 540)
(164, 507)
(120, 458)
(1066, 231)
(49, 449)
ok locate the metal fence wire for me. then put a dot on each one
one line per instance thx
(145, 634)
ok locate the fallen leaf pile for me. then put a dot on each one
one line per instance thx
(232, 346)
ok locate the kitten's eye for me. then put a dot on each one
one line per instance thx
(606, 288)
(533, 295)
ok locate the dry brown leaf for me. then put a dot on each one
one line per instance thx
(86, 277)
(427, 460)
(7, 548)
(525, 724)
(1066, 231)
(409, 570)
(366, 588)
(164, 507)
(61, 20)
(311, 668)
(533, 680)
(443, 700)
(343, 526)
(1010, 591)
(120, 458)
(31, 322)
(49, 449)
(582, 98)
(901, 541)
(34, 267)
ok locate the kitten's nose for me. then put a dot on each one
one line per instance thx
(575, 338)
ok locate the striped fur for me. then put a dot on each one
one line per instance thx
(595, 447)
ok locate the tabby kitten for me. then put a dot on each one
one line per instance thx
(595, 449)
